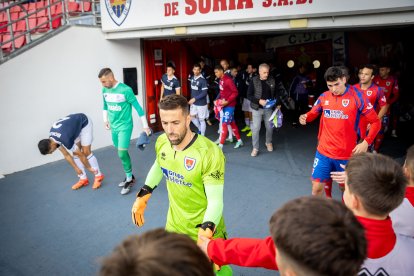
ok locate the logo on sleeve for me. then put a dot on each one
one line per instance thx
(189, 163)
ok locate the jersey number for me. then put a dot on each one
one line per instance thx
(57, 123)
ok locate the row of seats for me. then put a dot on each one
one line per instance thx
(34, 16)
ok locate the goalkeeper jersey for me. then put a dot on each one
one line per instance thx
(118, 102)
(187, 172)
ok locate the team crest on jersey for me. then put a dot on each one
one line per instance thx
(369, 93)
(326, 102)
(345, 102)
(189, 163)
(118, 10)
(387, 83)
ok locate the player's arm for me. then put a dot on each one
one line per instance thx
(105, 114)
(134, 102)
(245, 252)
(83, 158)
(162, 90)
(233, 89)
(178, 90)
(382, 102)
(395, 92)
(375, 126)
(138, 208)
(68, 157)
(313, 113)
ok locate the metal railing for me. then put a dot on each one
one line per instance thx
(17, 38)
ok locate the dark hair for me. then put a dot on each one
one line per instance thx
(409, 161)
(197, 65)
(104, 72)
(218, 67)
(44, 146)
(370, 66)
(319, 236)
(334, 73)
(174, 101)
(377, 180)
(171, 65)
(157, 252)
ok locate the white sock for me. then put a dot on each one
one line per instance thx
(94, 164)
(230, 132)
(196, 122)
(128, 178)
(203, 127)
(247, 121)
(80, 166)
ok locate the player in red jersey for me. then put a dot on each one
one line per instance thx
(391, 91)
(374, 94)
(341, 108)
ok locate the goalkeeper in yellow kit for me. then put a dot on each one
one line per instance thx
(194, 170)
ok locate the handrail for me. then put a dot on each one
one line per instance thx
(29, 14)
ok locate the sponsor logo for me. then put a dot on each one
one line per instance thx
(55, 134)
(189, 163)
(118, 10)
(345, 102)
(217, 175)
(175, 177)
(380, 272)
(114, 107)
(334, 114)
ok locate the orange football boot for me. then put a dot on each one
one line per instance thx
(80, 184)
(97, 181)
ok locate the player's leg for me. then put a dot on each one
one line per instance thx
(339, 166)
(267, 113)
(321, 173)
(257, 122)
(124, 139)
(380, 136)
(83, 179)
(193, 114)
(202, 114)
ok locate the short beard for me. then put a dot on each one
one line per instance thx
(179, 140)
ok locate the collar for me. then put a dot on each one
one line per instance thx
(380, 236)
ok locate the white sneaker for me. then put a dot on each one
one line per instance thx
(238, 144)
(123, 182)
(394, 133)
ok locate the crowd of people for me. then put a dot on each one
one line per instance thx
(370, 232)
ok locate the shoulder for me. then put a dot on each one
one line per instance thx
(162, 140)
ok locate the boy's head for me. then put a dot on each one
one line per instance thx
(409, 166)
(374, 185)
(157, 252)
(317, 236)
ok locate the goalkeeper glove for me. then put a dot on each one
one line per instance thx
(206, 229)
(140, 204)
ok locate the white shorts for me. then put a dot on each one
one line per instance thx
(200, 111)
(86, 135)
(246, 105)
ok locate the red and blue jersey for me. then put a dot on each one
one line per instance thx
(376, 97)
(339, 122)
(390, 87)
(228, 90)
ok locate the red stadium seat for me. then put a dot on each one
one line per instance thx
(87, 6)
(8, 45)
(73, 7)
(42, 24)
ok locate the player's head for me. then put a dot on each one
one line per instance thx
(384, 70)
(202, 63)
(106, 76)
(233, 72)
(157, 252)
(175, 117)
(409, 165)
(264, 71)
(335, 78)
(374, 184)
(170, 69)
(46, 146)
(218, 71)
(225, 64)
(249, 68)
(197, 69)
(366, 74)
(317, 236)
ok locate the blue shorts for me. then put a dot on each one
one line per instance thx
(323, 166)
(228, 114)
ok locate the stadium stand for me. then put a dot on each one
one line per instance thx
(21, 22)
